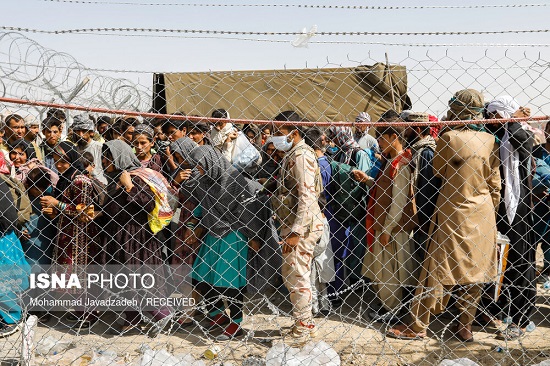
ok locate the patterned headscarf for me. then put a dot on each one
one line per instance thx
(144, 129)
(343, 138)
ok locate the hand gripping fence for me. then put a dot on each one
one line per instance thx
(358, 215)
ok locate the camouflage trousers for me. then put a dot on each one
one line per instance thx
(296, 273)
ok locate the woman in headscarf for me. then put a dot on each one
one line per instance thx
(143, 141)
(76, 243)
(221, 264)
(22, 156)
(461, 253)
(131, 241)
(254, 135)
(347, 146)
(270, 163)
(182, 259)
(515, 220)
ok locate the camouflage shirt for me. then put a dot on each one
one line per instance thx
(296, 198)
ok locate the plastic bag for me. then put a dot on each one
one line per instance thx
(104, 358)
(312, 354)
(244, 155)
(458, 362)
(51, 346)
(303, 39)
(164, 358)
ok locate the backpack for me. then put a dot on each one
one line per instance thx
(347, 194)
(20, 199)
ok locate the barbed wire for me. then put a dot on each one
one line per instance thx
(306, 6)
(264, 33)
(34, 71)
(397, 44)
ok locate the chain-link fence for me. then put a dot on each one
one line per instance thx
(232, 218)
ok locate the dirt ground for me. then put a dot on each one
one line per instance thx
(356, 339)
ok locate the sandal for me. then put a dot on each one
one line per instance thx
(487, 321)
(511, 333)
(456, 329)
(404, 332)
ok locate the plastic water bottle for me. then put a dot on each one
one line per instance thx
(546, 285)
(507, 320)
(530, 327)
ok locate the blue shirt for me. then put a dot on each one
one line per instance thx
(326, 176)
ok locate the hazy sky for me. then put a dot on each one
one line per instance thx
(180, 54)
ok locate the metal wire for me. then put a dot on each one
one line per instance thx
(307, 6)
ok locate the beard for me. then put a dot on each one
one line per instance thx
(79, 141)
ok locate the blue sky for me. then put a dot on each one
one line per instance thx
(182, 54)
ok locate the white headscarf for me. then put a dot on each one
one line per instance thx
(504, 105)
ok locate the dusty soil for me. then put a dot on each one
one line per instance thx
(358, 340)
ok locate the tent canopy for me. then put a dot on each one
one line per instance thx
(329, 94)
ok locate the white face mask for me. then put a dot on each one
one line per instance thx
(281, 143)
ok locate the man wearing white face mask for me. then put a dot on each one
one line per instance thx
(296, 205)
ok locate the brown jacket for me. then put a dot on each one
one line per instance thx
(462, 249)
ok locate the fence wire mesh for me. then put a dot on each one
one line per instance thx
(382, 213)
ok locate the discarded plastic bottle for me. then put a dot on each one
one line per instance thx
(546, 285)
(530, 327)
(499, 349)
(507, 320)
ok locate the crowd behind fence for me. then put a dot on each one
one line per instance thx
(236, 238)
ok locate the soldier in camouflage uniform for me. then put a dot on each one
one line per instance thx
(300, 217)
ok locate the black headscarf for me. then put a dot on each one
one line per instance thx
(226, 192)
(25, 146)
(184, 146)
(67, 151)
(269, 166)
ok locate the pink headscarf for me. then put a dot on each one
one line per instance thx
(4, 167)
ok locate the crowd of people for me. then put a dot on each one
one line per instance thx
(411, 214)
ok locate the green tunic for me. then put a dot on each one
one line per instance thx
(221, 262)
